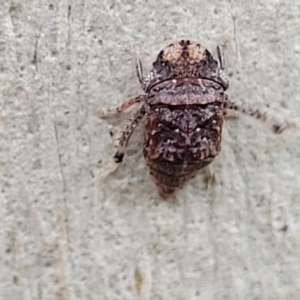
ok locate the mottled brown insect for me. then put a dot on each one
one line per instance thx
(184, 105)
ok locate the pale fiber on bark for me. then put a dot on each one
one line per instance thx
(69, 231)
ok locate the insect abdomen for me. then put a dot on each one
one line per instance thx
(179, 141)
(169, 176)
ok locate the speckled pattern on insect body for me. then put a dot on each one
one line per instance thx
(184, 105)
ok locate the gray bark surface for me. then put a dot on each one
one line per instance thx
(70, 230)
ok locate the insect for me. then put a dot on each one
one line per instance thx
(184, 105)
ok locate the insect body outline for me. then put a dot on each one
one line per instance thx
(184, 105)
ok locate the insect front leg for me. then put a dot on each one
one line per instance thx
(231, 108)
(220, 58)
(123, 106)
(123, 142)
(139, 71)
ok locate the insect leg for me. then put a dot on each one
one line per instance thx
(220, 58)
(127, 134)
(139, 71)
(123, 106)
(231, 109)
